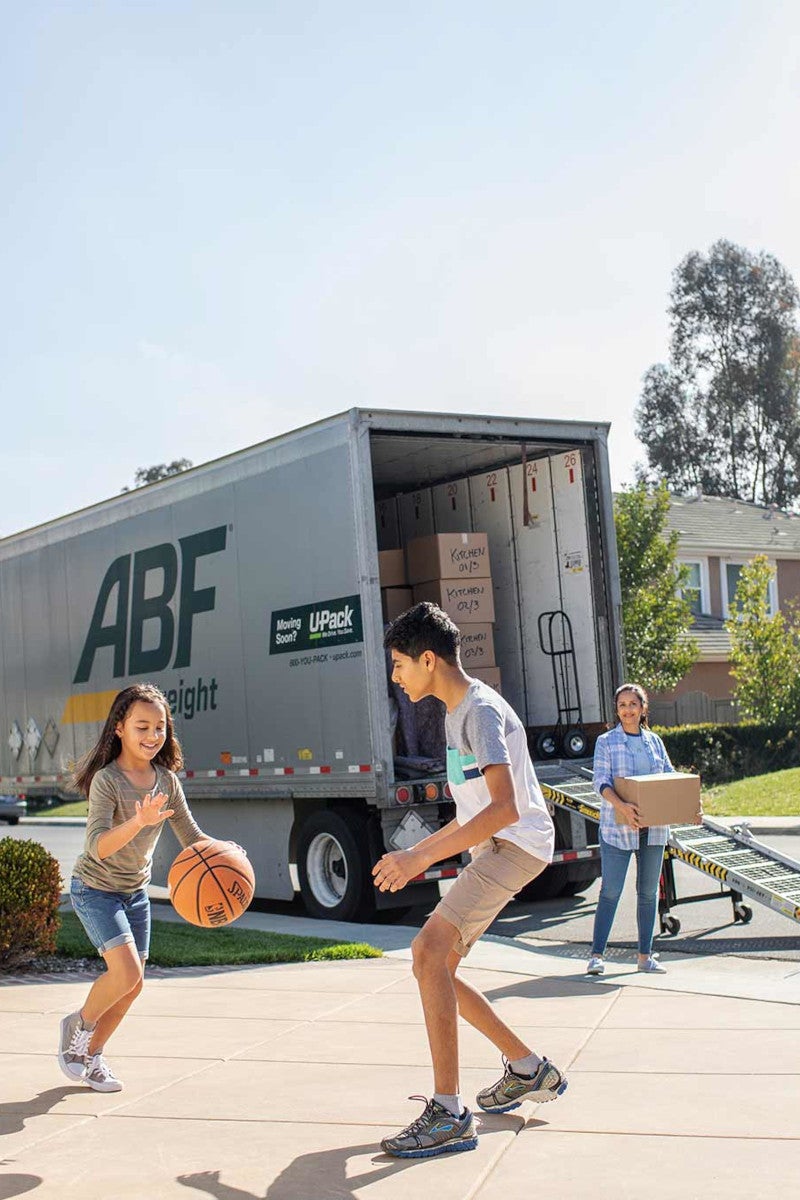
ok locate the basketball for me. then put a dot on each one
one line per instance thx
(211, 883)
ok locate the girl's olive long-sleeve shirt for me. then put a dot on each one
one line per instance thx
(112, 801)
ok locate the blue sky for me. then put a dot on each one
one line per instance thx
(222, 221)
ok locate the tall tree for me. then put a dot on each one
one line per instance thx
(724, 413)
(655, 615)
(145, 475)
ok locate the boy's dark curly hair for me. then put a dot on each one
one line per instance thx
(424, 627)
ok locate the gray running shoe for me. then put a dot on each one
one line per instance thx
(73, 1046)
(512, 1089)
(437, 1131)
(100, 1076)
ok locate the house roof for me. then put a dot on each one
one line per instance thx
(725, 525)
(713, 639)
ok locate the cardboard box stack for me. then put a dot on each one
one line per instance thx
(396, 595)
(453, 570)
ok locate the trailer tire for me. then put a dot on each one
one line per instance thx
(546, 886)
(334, 868)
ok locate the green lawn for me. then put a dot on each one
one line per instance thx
(773, 795)
(75, 808)
(183, 945)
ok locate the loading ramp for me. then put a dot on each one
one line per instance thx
(742, 865)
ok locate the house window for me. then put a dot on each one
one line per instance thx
(730, 581)
(695, 590)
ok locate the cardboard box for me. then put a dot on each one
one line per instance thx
(467, 601)
(477, 647)
(392, 568)
(672, 798)
(448, 556)
(490, 675)
(395, 601)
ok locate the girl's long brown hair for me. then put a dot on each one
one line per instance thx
(109, 745)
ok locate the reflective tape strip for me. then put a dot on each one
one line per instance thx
(562, 856)
(444, 873)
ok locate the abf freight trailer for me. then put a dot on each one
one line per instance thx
(248, 589)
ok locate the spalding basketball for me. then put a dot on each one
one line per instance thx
(211, 883)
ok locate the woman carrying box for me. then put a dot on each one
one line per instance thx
(627, 750)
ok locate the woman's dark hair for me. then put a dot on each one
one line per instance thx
(638, 691)
(109, 745)
(424, 627)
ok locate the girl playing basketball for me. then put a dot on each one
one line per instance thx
(132, 789)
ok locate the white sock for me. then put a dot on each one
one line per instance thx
(451, 1103)
(528, 1065)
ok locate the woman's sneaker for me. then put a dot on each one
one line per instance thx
(437, 1131)
(73, 1046)
(596, 965)
(509, 1092)
(100, 1076)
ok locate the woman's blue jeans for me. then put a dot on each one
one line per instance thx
(615, 868)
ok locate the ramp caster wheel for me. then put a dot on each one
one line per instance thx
(743, 913)
(670, 925)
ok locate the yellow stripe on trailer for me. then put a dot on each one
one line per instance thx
(91, 706)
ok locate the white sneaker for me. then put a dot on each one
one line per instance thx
(73, 1046)
(100, 1076)
(651, 967)
(596, 965)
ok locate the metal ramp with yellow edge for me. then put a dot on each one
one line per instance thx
(742, 865)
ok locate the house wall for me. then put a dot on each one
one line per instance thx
(713, 678)
(788, 580)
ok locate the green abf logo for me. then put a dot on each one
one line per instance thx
(330, 622)
(131, 581)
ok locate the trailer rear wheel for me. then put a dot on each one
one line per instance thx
(333, 867)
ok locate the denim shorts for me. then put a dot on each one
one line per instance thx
(112, 918)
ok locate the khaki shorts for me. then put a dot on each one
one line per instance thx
(498, 870)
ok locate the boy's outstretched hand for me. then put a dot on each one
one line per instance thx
(395, 870)
(151, 811)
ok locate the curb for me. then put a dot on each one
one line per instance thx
(64, 822)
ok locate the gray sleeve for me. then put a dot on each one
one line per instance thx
(485, 729)
(102, 805)
(183, 824)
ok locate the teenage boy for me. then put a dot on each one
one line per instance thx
(501, 815)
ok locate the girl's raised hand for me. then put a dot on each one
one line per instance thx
(151, 811)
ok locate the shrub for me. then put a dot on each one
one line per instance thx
(30, 891)
(722, 753)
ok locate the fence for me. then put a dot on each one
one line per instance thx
(694, 708)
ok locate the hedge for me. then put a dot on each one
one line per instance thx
(722, 753)
(30, 891)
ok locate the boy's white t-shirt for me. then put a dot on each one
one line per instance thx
(484, 730)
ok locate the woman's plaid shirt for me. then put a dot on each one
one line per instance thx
(612, 758)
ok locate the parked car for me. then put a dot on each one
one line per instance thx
(12, 808)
